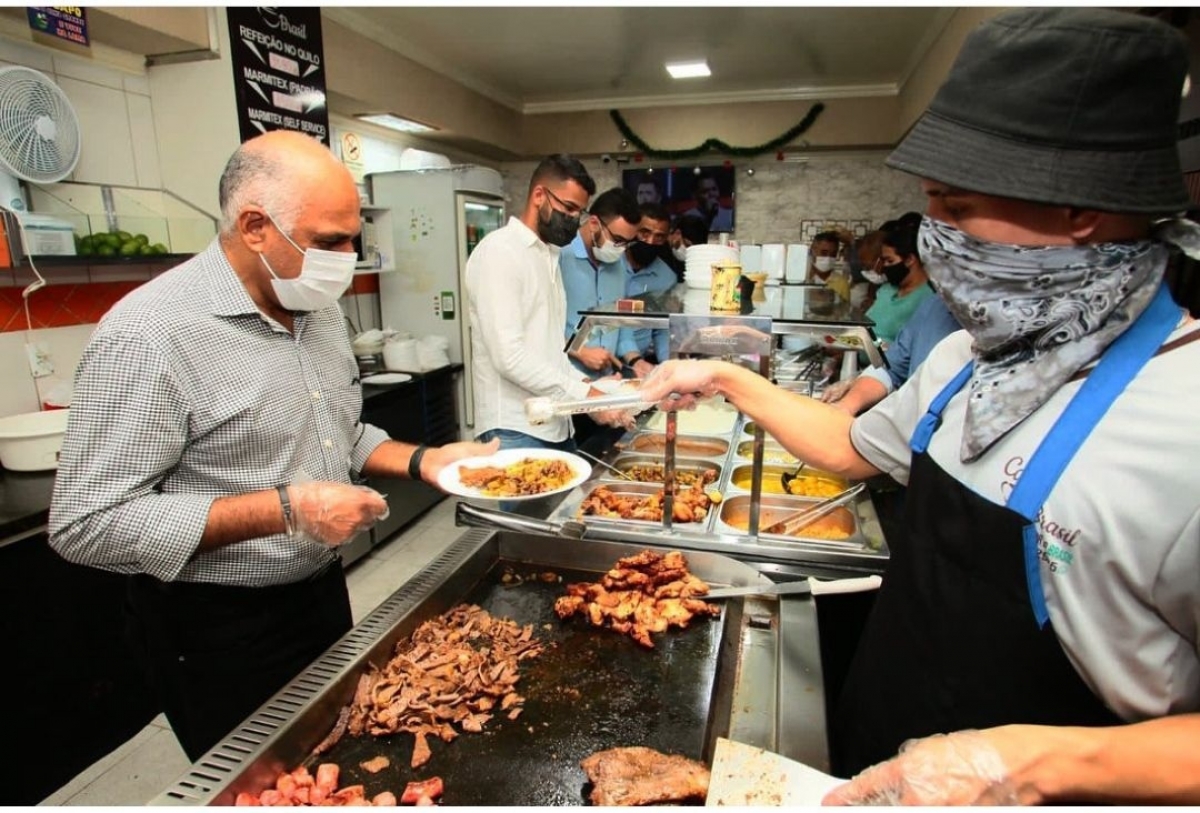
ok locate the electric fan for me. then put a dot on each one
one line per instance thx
(39, 134)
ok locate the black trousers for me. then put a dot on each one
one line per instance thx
(215, 653)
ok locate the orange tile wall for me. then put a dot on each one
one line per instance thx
(86, 303)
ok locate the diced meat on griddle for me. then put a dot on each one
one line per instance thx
(422, 793)
(299, 788)
(642, 776)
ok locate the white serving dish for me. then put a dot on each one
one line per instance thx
(31, 441)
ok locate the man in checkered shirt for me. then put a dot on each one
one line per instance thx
(213, 438)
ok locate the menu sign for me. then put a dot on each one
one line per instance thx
(63, 22)
(278, 70)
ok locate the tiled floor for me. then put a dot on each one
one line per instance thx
(152, 760)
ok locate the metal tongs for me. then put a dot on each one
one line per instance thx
(807, 516)
(810, 585)
(466, 514)
(540, 409)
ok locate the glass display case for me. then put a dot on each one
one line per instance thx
(818, 338)
(110, 223)
(802, 337)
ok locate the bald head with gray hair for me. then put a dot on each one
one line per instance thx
(272, 171)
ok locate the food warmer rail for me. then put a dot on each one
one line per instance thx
(863, 551)
(753, 675)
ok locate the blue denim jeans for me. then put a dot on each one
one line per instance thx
(512, 439)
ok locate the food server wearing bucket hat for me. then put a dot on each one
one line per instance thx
(1037, 634)
(212, 441)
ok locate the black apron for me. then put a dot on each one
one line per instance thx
(951, 642)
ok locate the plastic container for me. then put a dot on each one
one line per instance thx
(48, 236)
(400, 355)
(31, 441)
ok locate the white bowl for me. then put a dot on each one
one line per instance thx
(31, 441)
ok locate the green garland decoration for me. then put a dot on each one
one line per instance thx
(716, 144)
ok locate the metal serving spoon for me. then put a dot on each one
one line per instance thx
(613, 469)
(787, 477)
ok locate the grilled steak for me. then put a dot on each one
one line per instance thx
(643, 776)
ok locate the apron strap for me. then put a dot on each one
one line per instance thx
(1118, 366)
(932, 419)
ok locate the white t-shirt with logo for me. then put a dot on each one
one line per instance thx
(1120, 532)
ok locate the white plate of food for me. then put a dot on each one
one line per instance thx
(515, 474)
(379, 379)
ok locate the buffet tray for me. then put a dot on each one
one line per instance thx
(864, 551)
(591, 689)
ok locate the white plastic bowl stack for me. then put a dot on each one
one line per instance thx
(31, 441)
(697, 272)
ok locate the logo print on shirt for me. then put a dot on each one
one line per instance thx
(1055, 542)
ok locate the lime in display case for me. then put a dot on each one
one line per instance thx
(109, 224)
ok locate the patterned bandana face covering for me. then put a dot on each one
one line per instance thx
(1038, 315)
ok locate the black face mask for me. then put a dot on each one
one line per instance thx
(895, 273)
(642, 254)
(559, 230)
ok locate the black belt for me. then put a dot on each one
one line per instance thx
(270, 592)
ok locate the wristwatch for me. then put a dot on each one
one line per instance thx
(288, 523)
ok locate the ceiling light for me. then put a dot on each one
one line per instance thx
(394, 122)
(688, 70)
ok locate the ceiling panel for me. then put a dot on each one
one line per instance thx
(538, 58)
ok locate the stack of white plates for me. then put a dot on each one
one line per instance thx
(797, 263)
(772, 260)
(751, 256)
(697, 272)
(696, 300)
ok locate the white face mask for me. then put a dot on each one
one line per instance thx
(608, 253)
(680, 253)
(824, 264)
(324, 276)
(874, 277)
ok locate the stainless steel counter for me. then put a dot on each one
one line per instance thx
(769, 691)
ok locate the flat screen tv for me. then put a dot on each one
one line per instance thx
(708, 193)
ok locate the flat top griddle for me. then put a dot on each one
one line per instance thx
(590, 690)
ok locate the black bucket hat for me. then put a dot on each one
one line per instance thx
(1065, 106)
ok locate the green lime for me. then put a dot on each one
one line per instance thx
(141, 239)
(85, 245)
(129, 248)
(146, 251)
(105, 251)
(110, 240)
(123, 235)
(159, 248)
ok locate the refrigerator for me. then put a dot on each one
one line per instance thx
(438, 216)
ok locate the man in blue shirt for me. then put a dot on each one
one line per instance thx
(646, 273)
(593, 273)
(930, 323)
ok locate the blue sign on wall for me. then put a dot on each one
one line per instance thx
(64, 22)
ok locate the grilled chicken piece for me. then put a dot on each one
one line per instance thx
(643, 594)
(643, 776)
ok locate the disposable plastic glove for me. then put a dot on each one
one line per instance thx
(625, 418)
(963, 768)
(836, 392)
(334, 513)
(690, 379)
